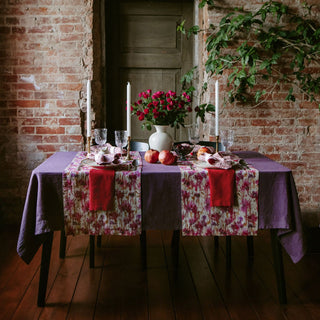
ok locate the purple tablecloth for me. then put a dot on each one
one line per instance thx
(161, 202)
(279, 206)
(43, 208)
(161, 197)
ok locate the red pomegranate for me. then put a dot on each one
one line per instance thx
(167, 157)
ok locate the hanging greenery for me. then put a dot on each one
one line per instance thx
(273, 44)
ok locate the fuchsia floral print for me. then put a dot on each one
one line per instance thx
(125, 219)
(200, 219)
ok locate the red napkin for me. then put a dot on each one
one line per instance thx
(221, 187)
(101, 189)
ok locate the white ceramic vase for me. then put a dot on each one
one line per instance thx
(161, 139)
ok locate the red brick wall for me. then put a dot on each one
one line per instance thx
(45, 59)
(46, 55)
(288, 132)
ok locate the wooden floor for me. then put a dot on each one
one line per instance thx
(119, 287)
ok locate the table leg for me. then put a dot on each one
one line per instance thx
(91, 251)
(278, 265)
(228, 251)
(175, 238)
(63, 243)
(175, 247)
(216, 241)
(99, 238)
(143, 246)
(250, 246)
(44, 269)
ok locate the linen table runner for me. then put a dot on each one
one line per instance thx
(124, 219)
(199, 218)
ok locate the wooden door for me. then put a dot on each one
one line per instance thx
(143, 47)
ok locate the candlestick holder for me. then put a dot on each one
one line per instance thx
(88, 144)
(217, 143)
(128, 148)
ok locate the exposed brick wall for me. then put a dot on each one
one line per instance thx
(46, 55)
(288, 132)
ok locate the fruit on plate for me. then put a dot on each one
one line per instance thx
(151, 156)
(182, 149)
(201, 151)
(167, 157)
(103, 158)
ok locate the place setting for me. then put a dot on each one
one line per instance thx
(207, 156)
(104, 155)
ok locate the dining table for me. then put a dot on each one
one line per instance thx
(44, 211)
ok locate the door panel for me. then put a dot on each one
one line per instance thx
(145, 49)
(155, 34)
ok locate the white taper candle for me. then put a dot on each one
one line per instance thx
(217, 108)
(89, 108)
(129, 109)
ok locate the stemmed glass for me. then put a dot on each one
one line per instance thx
(194, 134)
(227, 138)
(100, 136)
(121, 138)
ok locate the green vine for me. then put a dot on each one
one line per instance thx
(273, 44)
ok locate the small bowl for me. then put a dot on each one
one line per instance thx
(182, 149)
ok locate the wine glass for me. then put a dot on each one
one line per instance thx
(121, 138)
(100, 136)
(227, 138)
(194, 134)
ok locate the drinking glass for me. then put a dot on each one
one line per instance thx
(121, 138)
(100, 136)
(194, 134)
(227, 138)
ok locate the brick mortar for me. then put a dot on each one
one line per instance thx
(46, 54)
(288, 132)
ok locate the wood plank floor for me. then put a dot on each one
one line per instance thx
(120, 287)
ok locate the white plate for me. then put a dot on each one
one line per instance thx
(124, 164)
(203, 164)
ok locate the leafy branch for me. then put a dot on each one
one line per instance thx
(251, 45)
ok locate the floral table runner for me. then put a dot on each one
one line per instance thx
(125, 219)
(200, 219)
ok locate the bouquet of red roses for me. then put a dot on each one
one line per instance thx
(162, 108)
